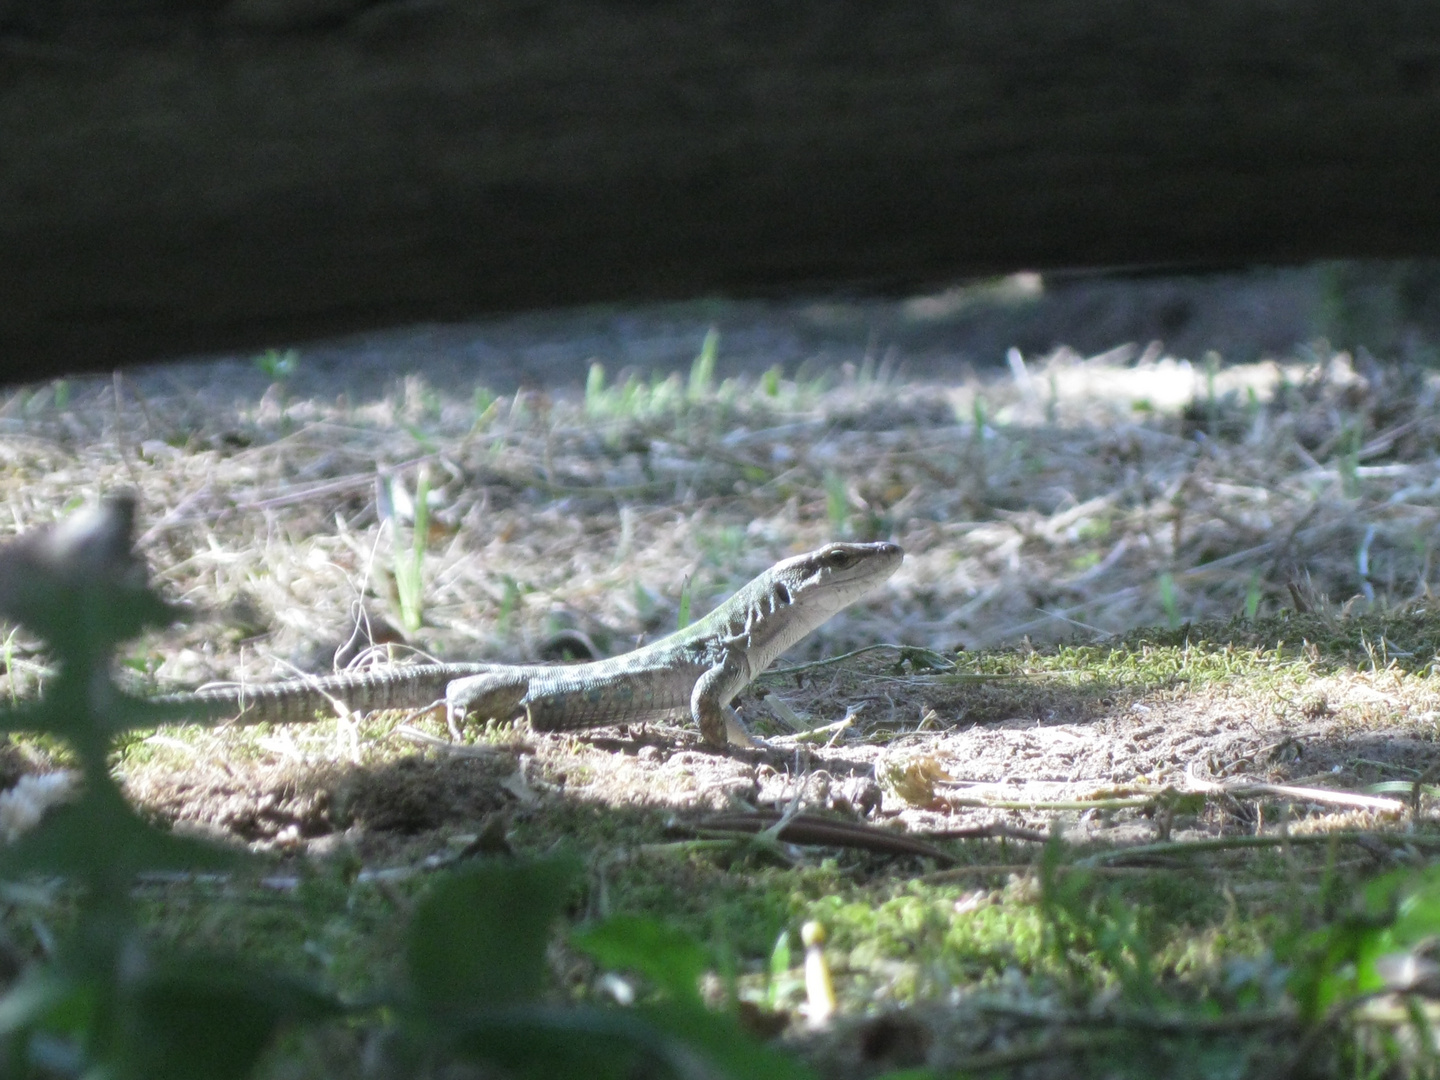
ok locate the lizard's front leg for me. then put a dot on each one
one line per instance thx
(495, 695)
(710, 702)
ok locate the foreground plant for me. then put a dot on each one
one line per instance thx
(110, 1003)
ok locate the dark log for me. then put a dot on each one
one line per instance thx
(176, 176)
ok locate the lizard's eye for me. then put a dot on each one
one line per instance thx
(840, 559)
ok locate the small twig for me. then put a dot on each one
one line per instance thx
(817, 734)
(780, 710)
(955, 873)
(794, 668)
(685, 846)
(1077, 623)
(1230, 843)
(1290, 791)
(995, 830)
(1172, 1023)
(301, 494)
(808, 829)
(1302, 606)
(1063, 1045)
(1249, 790)
(1053, 804)
(1312, 794)
(1198, 786)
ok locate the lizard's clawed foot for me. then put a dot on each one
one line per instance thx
(492, 695)
(735, 733)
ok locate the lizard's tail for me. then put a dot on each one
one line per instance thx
(296, 701)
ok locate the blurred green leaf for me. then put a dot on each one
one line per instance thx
(79, 616)
(45, 995)
(550, 1041)
(723, 1043)
(210, 1019)
(101, 837)
(598, 1044)
(665, 955)
(479, 938)
(46, 1020)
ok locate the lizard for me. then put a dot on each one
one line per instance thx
(699, 669)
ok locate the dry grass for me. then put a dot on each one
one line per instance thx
(1070, 500)
(1081, 496)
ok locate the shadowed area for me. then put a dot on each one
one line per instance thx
(183, 177)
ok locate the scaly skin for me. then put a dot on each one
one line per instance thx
(699, 669)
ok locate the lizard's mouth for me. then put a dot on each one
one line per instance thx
(872, 562)
(848, 571)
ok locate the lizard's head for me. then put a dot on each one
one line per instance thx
(808, 589)
(837, 574)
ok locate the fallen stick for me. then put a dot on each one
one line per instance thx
(1229, 843)
(824, 832)
(1311, 794)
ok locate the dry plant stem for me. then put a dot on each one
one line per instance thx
(1298, 793)
(1234, 843)
(817, 734)
(804, 829)
(829, 661)
(996, 830)
(1239, 791)
(683, 847)
(1050, 804)
(1143, 1021)
(958, 873)
(1310, 794)
(1063, 1045)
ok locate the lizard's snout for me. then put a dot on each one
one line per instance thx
(882, 558)
(889, 553)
